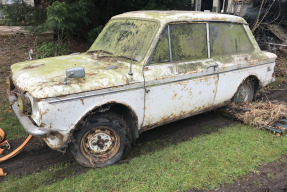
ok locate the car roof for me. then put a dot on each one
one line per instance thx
(170, 16)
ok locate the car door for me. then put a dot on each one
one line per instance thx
(180, 79)
(232, 48)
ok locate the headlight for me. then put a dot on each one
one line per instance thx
(24, 104)
(36, 116)
(9, 83)
(20, 103)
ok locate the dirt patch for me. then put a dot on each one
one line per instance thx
(276, 94)
(266, 178)
(35, 156)
(270, 177)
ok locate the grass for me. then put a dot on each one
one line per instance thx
(276, 83)
(204, 162)
(9, 122)
(52, 174)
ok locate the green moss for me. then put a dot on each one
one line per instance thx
(124, 37)
(188, 41)
(258, 55)
(44, 78)
(223, 58)
(226, 38)
(184, 68)
(161, 53)
(276, 83)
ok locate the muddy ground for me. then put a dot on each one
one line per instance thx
(37, 156)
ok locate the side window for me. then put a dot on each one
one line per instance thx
(188, 41)
(228, 38)
(161, 52)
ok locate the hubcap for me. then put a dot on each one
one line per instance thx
(100, 143)
(243, 94)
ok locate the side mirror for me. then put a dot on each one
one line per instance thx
(75, 72)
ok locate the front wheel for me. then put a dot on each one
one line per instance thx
(102, 142)
(245, 92)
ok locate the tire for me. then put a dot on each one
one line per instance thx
(102, 142)
(245, 92)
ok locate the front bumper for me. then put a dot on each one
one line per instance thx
(27, 123)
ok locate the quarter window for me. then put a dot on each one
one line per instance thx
(228, 38)
(161, 53)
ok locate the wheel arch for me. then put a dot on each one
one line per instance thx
(121, 109)
(256, 84)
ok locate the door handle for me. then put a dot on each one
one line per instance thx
(214, 66)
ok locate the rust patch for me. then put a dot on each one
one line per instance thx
(96, 155)
(91, 74)
(174, 96)
(57, 135)
(82, 100)
(33, 66)
(43, 113)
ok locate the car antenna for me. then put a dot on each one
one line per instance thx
(133, 49)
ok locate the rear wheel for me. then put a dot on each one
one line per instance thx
(102, 142)
(245, 92)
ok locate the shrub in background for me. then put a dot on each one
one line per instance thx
(65, 19)
(50, 49)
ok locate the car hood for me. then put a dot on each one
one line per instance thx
(44, 78)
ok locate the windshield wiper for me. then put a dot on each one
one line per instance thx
(110, 53)
(100, 51)
(126, 57)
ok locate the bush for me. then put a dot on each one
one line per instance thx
(51, 49)
(64, 18)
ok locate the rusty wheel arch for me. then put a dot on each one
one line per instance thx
(255, 81)
(124, 111)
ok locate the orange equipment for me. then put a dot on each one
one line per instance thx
(2, 135)
(6, 145)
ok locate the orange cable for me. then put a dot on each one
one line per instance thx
(16, 151)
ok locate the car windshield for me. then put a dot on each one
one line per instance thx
(126, 38)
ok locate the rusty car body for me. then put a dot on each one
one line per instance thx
(145, 69)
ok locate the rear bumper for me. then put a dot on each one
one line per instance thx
(27, 123)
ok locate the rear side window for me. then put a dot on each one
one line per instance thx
(228, 38)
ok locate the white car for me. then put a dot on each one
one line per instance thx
(145, 69)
